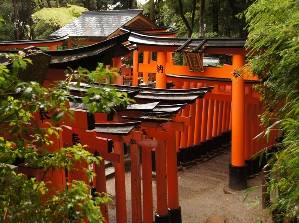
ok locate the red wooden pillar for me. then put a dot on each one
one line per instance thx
(100, 182)
(147, 191)
(161, 75)
(248, 122)
(118, 64)
(210, 119)
(223, 125)
(192, 115)
(135, 183)
(204, 120)
(172, 179)
(52, 47)
(185, 113)
(215, 125)
(215, 119)
(198, 119)
(162, 215)
(120, 184)
(178, 85)
(56, 178)
(237, 168)
(220, 118)
(135, 68)
(229, 116)
(145, 61)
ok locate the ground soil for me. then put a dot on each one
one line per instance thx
(205, 197)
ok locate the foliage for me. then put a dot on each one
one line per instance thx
(220, 17)
(273, 41)
(7, 29)
(48, 20)
(24, 142)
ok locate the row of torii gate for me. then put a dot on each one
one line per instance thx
(207, 108)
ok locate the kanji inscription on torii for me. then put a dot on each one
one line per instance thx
(75, 138)
(160, 68)
(43, 115)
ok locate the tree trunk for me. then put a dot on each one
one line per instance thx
(189, 28)
(201, 19)
(16, 19)
(215, 14)
(160, 20)
(235, 10)
(152, 10)
(49, 4)
(193, 14)
(57, 4)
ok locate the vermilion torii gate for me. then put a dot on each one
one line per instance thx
(233, 94)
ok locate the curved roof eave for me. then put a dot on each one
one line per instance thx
(185, 44)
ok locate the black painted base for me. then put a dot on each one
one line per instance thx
(237, 177)
(162, 218)
(209, 146)
(249, 164)
(175, 215)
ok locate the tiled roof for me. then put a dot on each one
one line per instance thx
(89, 56)
(98, 23)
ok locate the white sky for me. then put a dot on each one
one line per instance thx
(142, 1)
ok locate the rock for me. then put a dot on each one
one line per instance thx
(216, 218)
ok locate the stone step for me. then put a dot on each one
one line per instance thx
(109, 172)
(108, 164)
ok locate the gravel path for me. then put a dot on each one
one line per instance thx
(203, 198)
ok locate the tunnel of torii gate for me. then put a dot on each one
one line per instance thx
(233, 106)
(192, 113)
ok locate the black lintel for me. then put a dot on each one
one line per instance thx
(199, 45)
(184, 45)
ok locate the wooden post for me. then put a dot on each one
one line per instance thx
(190, 140)
(204, 120)
(237, 170)
(147, 186)
(162, 215)
(172, 180)
(118, 64)
(178, 85)
(210, 119)
(198, 119)
(135, 183)
(215, 118)
(223, 125)
(185, 113)
(135, 68)
(220, 118)
(100, 183)
(120, 184)
(145, 61)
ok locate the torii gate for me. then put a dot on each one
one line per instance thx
(230, 84)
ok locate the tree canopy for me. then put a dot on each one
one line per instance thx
(23, 142)
(48, 20)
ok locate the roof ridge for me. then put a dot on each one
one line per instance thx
(125, 11)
